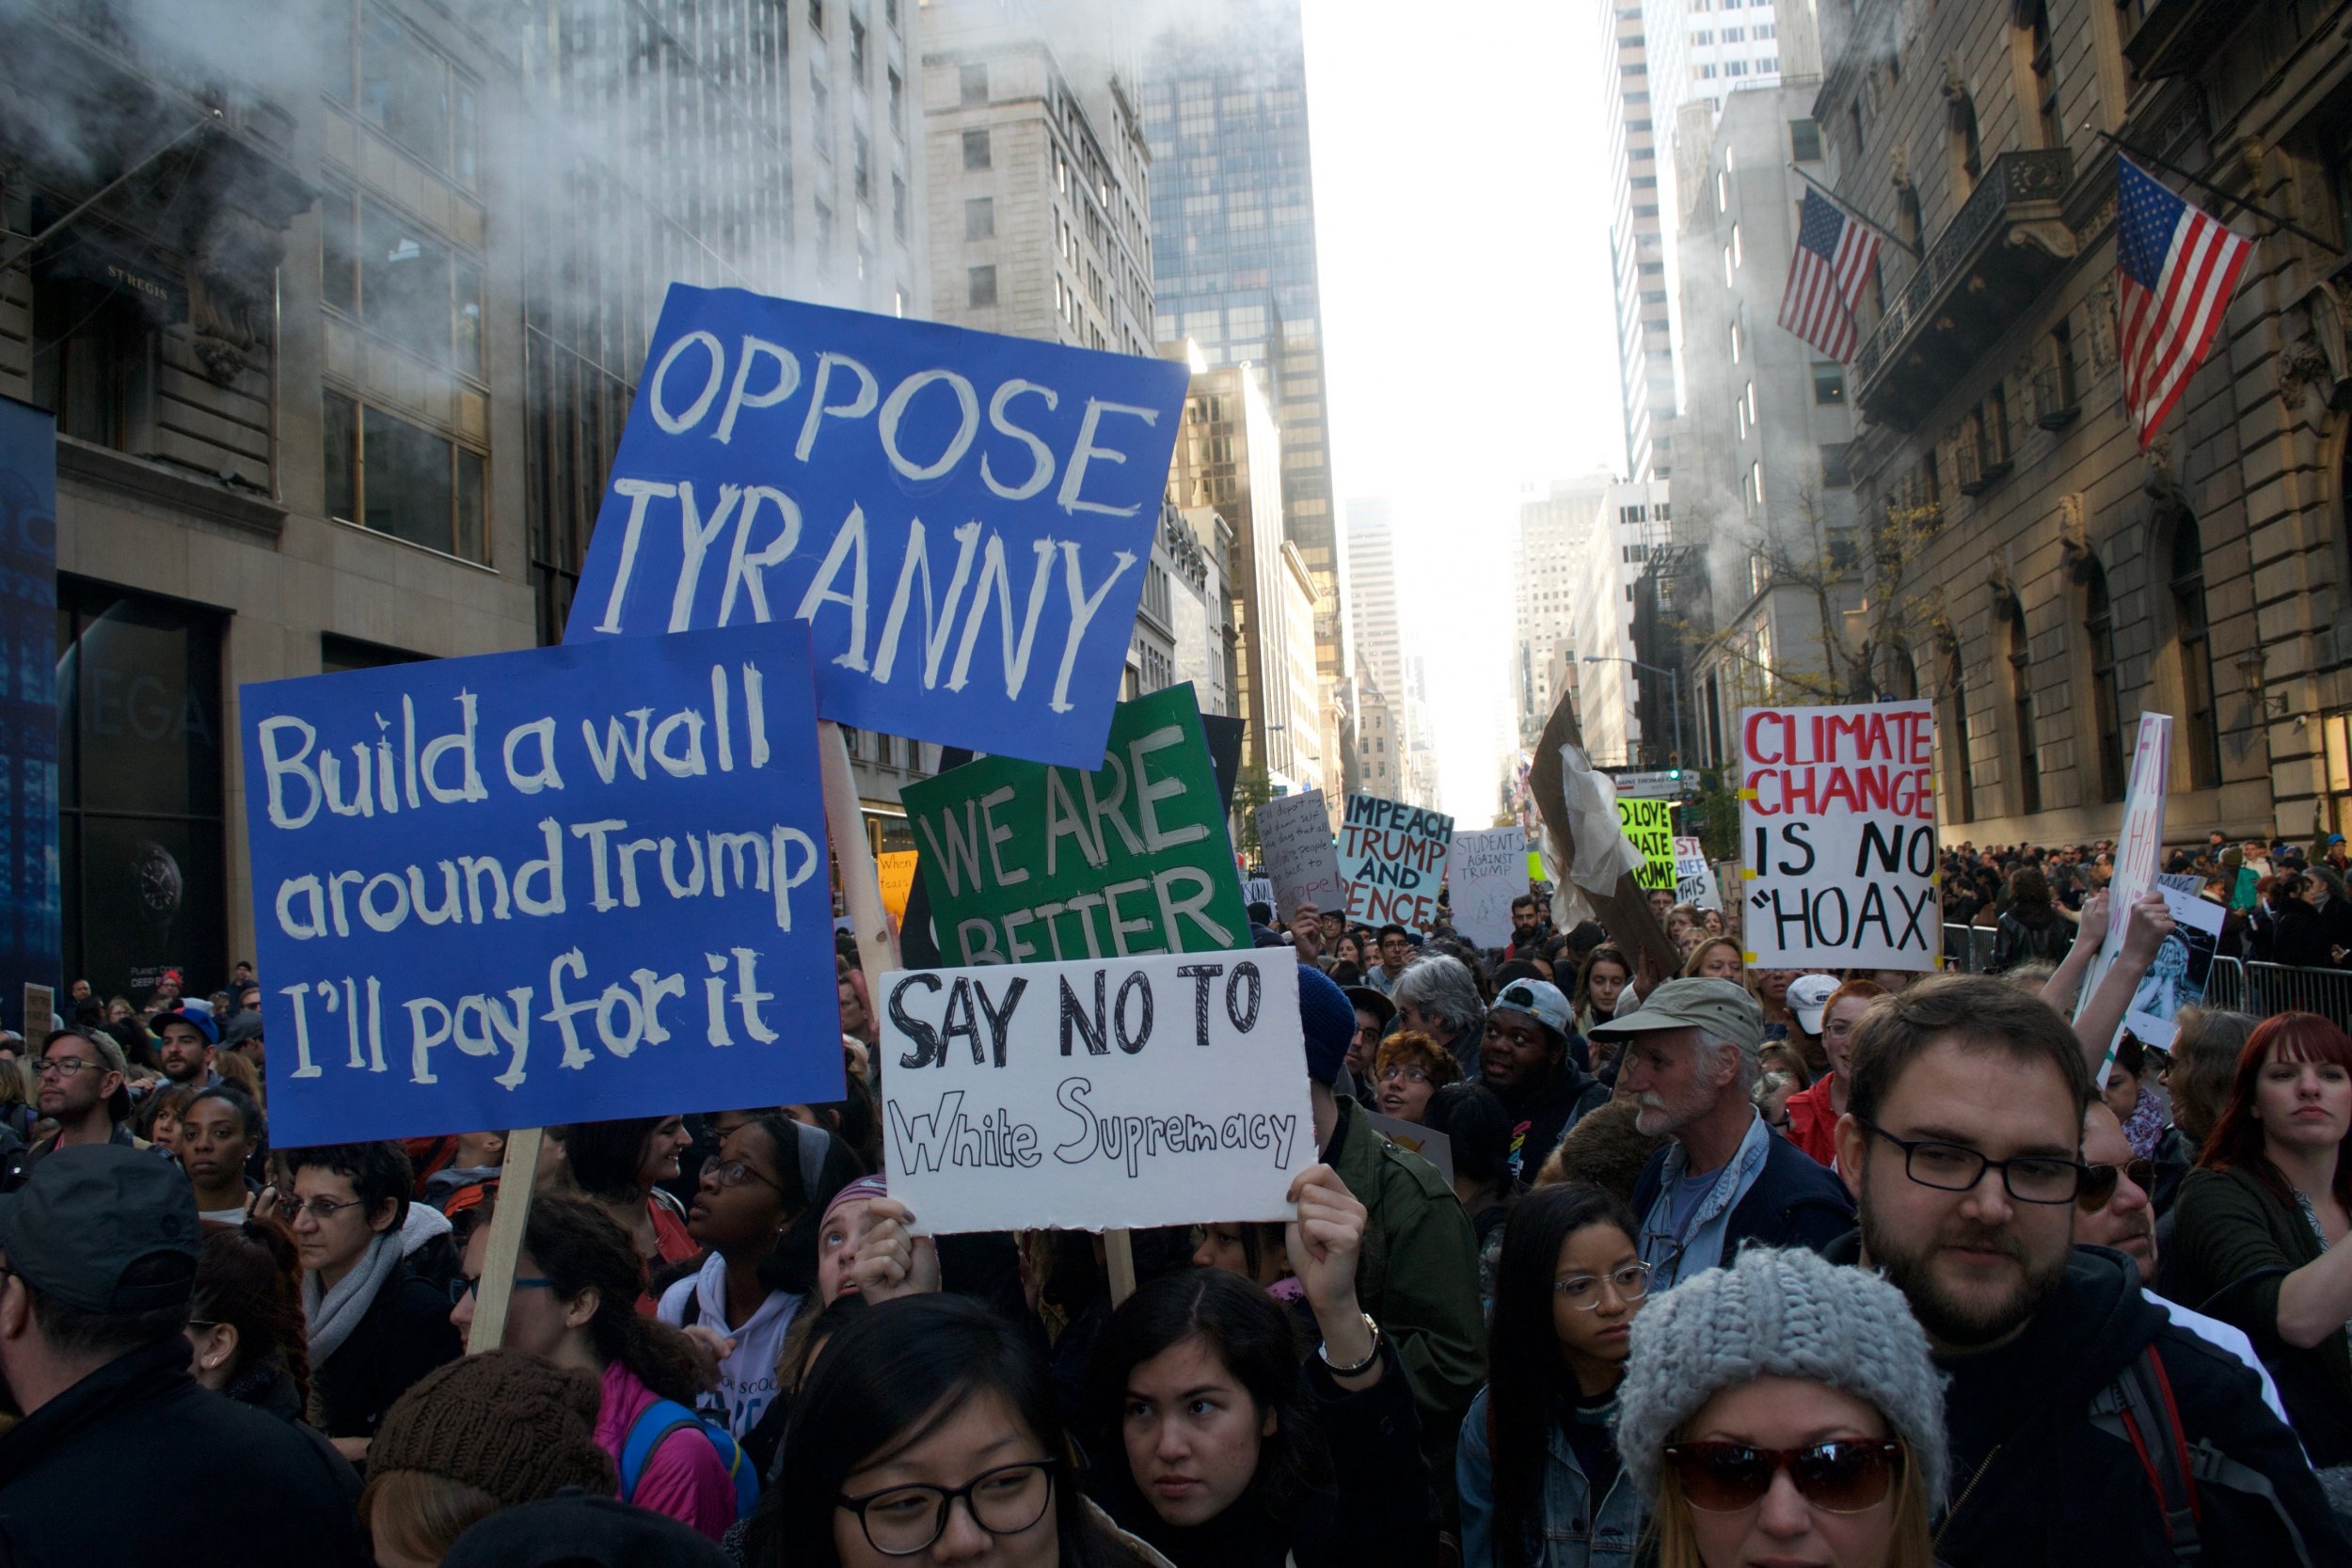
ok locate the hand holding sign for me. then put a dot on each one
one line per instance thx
(1323, 1241)
(892, 1260)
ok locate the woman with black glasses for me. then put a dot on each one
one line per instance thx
(1785, 1410)
(927, 1434)
(1541, 1484)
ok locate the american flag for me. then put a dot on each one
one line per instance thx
(2174, 268)
(1836, 251)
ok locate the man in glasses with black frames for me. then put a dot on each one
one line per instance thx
(2075, 1405)
(2114, 1210)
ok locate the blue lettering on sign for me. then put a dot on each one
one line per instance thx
(532, 888)
(962, 520)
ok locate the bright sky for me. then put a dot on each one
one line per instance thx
(1461, 221)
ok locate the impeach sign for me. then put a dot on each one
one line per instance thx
(1144, 1091)
(962, 520)
(1837, 831)
(1393, 856)
(1027, 861)
(541, 887)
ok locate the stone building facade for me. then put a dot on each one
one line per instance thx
(2042, 578)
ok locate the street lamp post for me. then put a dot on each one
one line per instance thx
(1673, 680)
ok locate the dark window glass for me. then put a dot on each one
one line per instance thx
(2200, 725)
(1829, 382)
(2106, 720)
(338, 250)
(972, 84)
(1837, 474)
(1963, 770)
(90, 358)
(975, 154)
(979, 218)
(404, 88)
(982, 285)
(340, 437)
(2021, 698)
(404, 480)
(1804, 141)
(405, 282)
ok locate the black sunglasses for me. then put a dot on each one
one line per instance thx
(2100, 1181)
(1845, 1477)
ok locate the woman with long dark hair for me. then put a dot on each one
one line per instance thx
(1538, 1463)
(621, 1165)
(246, 1329)
(574, 1306)
(926, 1433)
(756, 1209)
(1218, 1447)
(2259, 1224)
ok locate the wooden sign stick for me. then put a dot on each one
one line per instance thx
(854, 856)
(517, 1174)
(1119, 1258)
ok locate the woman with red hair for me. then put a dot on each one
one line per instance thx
(2261, 1223)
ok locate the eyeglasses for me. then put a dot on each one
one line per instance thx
(2100, 1181)
(733, 1173)
(1952, 1168)
(461, 1288)
(1408, 1074)
(319, 1208)
(51, 1067)
(903, 1521)
(1582, 1291)
(1838, 1477)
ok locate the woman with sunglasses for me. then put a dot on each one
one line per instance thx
(1785, 1410)
(1540, 1482)
(756, 1209)
(2259, 1230)
(1219, 1444)
(574, 1306)
(927, 1434)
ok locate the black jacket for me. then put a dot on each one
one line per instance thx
(405, 1333)
(1795, 1202)
(1374, 1507)
(2301, 937)
(2035, 1482)
(1540, 1120)
(127, 1466)
(2029, 934)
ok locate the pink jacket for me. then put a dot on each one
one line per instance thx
(683, 1479)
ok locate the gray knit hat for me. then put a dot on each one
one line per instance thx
(1779, 1314)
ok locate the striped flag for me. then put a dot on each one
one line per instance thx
(2174, 268)
(1836, 251)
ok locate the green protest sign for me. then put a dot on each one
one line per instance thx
(1650, 826)
(1024, 863)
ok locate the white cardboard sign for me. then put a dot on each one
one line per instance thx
(1295, 836)
(1484, 870)
(2135, 856)
(1695, 880)
(1161, 1089)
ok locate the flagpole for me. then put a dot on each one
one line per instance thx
(2333, 247)
(1859, 216)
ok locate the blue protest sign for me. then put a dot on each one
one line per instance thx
(962, 519)
(566, 884)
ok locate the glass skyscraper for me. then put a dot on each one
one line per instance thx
(1234, 248)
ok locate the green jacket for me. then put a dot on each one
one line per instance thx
(1418, 1277)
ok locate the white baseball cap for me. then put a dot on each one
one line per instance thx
(1808, 998)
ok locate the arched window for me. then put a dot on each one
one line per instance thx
(1963, 774)
(1960, 137)
(2106, 722)
(2021, 703)
(2199, 727)
(1906, 673)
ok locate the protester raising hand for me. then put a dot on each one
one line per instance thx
(892, 1260)
(2095, 1026)
(1322, 1243)
(1307, 933)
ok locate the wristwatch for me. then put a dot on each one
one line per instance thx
(1324, 1351)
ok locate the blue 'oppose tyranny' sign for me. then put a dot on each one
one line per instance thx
(566, 884)
(962, 519)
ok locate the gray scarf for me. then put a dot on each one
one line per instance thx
(333, 1319)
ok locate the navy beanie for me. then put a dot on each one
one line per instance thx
(1328, 1019)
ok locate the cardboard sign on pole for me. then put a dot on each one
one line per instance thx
(1393, 856)
(2136, 857)
(557, 885)
(1838, 833)
(1169, 1089)
(1694, 881)
(1027, 861)
(1485, 871)
(961, 520)
(896, 870)
(1295, 836)
(1649, 827)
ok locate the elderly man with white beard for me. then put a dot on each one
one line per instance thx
(1725, 1179)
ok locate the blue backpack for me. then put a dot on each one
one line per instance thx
(665, 1417)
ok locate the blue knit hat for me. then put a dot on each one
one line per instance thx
(1328, 1019)
(1787, 1314)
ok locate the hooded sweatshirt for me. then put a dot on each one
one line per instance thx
(2027, 1458)
(1541, 1116)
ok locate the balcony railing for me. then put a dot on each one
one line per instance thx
(2003, 244)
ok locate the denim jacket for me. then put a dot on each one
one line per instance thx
(1575, 1535)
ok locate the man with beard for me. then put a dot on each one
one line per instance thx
(2114, 1211)
(1962, 1143)
(1525, 1060)
(1725, 1179)
(186, 1043)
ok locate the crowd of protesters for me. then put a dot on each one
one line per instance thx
(1727, 1266)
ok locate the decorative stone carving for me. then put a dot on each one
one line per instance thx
(2315, 355)
(235, 257)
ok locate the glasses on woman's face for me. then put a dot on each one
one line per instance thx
(733, 1173)
(1843, 1477)
(901, 1521)
(2100, 1181)
(320, 1208)
(1582, 1291)
(1399, 1073)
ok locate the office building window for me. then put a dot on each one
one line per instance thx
(972, 84)
(857, 50)
(980, 218)
(1804, 141)
(898, 105)
(2106, 706)
(899, 208)
(396, 83)
(392, 476)
(2202, 730)
(1829, 382)
(980, 285)
(2021, 705)
(401, 280)
(975, 151)
(93, 358)
(1836, 473)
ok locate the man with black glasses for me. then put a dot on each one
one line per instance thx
(82, 1089)
(2085, 1427)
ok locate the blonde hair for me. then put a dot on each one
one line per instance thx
(1678, 1546)
(1698, 955)
(16, 1082)
(420, 1514)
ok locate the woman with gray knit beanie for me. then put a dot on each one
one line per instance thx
(1784, 1409)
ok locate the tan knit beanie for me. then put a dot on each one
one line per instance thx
(504, 1421)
